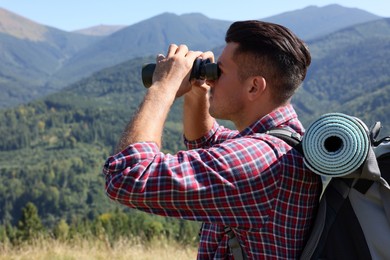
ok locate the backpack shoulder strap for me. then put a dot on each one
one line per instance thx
(234, 245)
(291, 138)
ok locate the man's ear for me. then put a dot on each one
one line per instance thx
(256, 87)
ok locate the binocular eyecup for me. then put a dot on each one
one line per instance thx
(201, 69)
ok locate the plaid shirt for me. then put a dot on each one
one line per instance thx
(253, 182)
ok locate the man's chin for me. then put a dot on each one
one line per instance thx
(211, 112)
(216, 115)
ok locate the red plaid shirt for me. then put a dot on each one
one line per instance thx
(253, 182)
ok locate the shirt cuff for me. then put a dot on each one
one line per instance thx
(133, 154)
(204, 141)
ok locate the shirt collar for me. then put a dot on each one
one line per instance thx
(280, 117)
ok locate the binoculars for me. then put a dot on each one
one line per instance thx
(201, 69)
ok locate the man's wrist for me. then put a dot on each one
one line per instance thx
(196, 95)
(157, 93)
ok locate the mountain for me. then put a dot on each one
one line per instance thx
(100, 30)
(20, 27)
(153, 35)
(350, 74)
(36, 60)
(313, 21)
(148, 37)
(30, 54)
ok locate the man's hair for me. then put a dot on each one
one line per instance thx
(271, 51)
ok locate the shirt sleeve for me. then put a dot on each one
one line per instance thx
(227, 183)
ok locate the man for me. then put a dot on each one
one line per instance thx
(252, 182)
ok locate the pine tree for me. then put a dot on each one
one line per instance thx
(29, 225)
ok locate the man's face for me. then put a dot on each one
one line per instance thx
(227, 93)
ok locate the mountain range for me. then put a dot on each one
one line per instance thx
(30, 54)
(36, 60)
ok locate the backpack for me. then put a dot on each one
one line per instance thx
(353, 216)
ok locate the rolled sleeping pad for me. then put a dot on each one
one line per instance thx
(335, 145)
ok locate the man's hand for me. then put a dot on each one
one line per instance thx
(173, 71)
(199, 88)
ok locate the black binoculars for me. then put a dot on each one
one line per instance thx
(201, 69)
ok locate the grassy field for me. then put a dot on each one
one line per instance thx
(83, 249)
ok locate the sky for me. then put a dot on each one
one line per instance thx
(70, 15)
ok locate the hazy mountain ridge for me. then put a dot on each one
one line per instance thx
(30, 54)
(148, 37)
(20, 27)
(100, 30)
(24, 29)
(313, 21)
(65, 57)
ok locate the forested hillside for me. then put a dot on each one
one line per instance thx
(52, 150)
(350, 74)
(52, 154)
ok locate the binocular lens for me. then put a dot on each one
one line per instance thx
(212, 71)
(147, 74)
